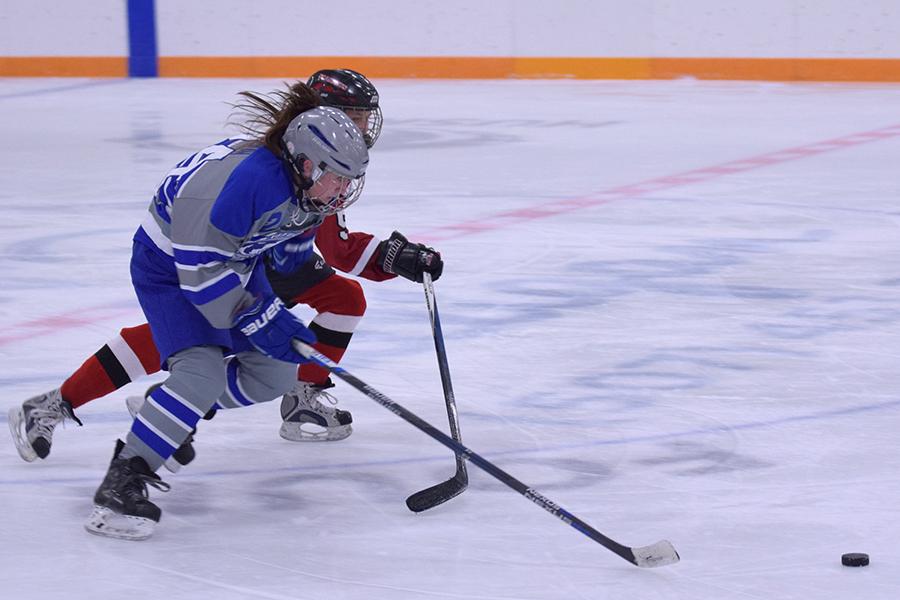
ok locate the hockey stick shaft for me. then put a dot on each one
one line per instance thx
(655, 555)
(443, 368)
(444, 491)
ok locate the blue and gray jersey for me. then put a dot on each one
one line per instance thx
(214, 214)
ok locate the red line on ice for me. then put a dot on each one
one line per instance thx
(509, 218)
(642, 188)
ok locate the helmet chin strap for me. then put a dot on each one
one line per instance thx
(301, 188)
(317, 206)
(301, 182)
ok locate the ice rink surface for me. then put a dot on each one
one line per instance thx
(671, 307)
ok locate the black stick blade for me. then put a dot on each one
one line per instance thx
(437, 494)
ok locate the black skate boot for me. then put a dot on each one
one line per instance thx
(185, 453)
(122, 508)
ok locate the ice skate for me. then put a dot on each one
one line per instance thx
(122, 508)
(185, 452)
(307, 419)
(32, 423)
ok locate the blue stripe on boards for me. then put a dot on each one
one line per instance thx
(142, 57)
(156, 443)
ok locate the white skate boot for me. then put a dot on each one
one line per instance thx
(307, 419)
(32, 423)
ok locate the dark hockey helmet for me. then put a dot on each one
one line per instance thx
(354, 94)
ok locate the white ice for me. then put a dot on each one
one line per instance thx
(711, 359)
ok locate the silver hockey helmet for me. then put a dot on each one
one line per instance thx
(332, 143)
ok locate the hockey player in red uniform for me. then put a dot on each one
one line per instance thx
(295, 277)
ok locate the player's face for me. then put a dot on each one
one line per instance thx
(330, 192)
(360, 117)
(368, 120)
(328, 187)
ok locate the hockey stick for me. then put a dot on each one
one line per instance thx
(456, 485)
(655, 555)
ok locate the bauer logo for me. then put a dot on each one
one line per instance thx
(264, 319)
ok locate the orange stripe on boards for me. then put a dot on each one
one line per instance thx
(582, 68)
(471, 67)
(372, 66)
(431, 67)
(778, 69)
(767, 69)
(474, 67)
(63, 66)
(848, 69)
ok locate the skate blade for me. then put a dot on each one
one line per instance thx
(308, 432)
(16, 419)
(108, 523)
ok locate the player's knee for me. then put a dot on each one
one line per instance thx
(127, 332)
(260, 379)
(139, 338)
(344, 297)
(198, 374)
(354, 298)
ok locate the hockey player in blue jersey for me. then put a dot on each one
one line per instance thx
(222, 333)
(305, 278)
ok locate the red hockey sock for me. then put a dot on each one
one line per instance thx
(312, 373)
(90, 381)
(128, 356)
(340, 303)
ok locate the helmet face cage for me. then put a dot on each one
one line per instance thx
(371, 129)
(350, 192)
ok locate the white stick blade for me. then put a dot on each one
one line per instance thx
(659, 554)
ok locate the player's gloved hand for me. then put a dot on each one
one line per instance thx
(397, 255)
(271, 328)
(288, 256)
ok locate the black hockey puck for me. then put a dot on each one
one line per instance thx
(855, 559)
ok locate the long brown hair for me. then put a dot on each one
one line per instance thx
(266, 116)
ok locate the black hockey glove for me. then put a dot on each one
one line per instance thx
(397, 255)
